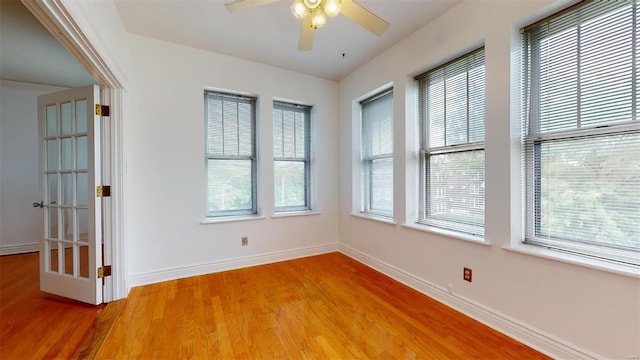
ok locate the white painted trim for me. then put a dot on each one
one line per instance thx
(516, 329)
(65, 21)
(372, 217)
(19, 249)
(228, 264)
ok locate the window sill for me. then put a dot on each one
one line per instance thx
(227, 219)
(452, 234)
(381, 219)
(286, 214)
(603, 265)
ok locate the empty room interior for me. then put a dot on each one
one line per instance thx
(320, 179)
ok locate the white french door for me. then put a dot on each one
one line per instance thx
(71, 246)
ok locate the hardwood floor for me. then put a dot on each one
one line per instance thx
(33, 324)
(322, 307)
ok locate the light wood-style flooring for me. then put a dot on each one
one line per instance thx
(321, 307)
(33, 324)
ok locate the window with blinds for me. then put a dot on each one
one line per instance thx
(230, 154)
(291, 156)
(581, 133)
(452, 121)
(377, 155)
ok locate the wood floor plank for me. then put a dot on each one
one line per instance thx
(33, 324)
(321, 307)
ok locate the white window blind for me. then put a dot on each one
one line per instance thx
(291, 151)
(230, 154)
(377, 154)
(452, 122)
(581, 133)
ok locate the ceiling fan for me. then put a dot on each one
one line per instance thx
(313, 14)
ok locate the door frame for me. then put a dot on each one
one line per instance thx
(75, 35)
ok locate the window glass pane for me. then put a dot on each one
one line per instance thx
(229, 185)
(278, 136)
(381, 196)
(214, 126)
(82, 224)
(52, 155)
(65, 118)
(377, 153)
(291, 141)
(589, 190)
(290, 184)
(52, 189)
(435, 108)
(67, 223)
(52, 124)
(66, 197)
(452, 185)
(82, 184)
(288, 136)
(377, 122)
(231, 144)
(300, 135)
(230, 158)
(81, 116)
(245, 129)
(456, 103)
(81, 153)
(52, 229)
(66, 153)
(456, 189)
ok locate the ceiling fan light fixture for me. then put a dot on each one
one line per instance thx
(332, 7)
(312, 4)
(318, 18)
(299, 9)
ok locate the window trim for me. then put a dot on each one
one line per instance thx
(583, 252)
(366, 162)
(306, 110)
(424, 219)
(253, 157)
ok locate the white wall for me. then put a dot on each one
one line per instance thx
(20, 223)
(563, 309)
(165, 165)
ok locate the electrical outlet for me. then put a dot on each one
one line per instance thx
(245, 241)
(467, 274)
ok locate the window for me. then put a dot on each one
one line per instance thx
(581, 140)
(451, 105)
(230, 154)
(291, 154)
(377, 155)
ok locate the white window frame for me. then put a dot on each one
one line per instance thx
(306, 111)
(429, 208)
(248, 100)
(533, 138)
(366, 162)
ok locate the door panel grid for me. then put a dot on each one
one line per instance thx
(66, 189)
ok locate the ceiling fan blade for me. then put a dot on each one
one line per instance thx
(307, 33)
(364, 17)
(238, 5)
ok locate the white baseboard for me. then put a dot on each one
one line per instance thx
(19, 249)
(227, 264)
(518, 330)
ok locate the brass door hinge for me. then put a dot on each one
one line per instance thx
(102, 110)
(104, 271)
(103, 191)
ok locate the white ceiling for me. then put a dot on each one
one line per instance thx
(269, 34)
(29, 53)
(266, 34)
